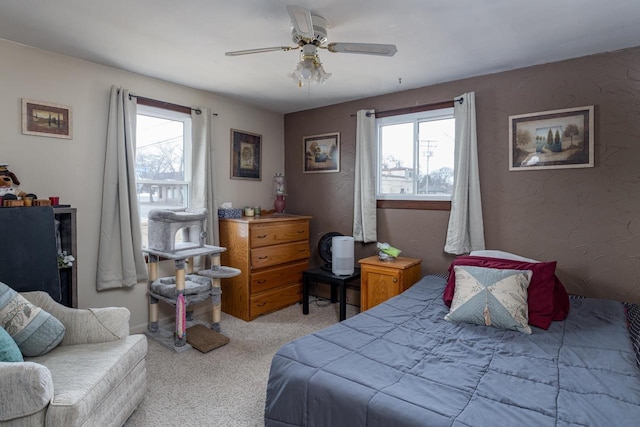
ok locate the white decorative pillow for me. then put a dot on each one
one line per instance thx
(34, 330)
(492, 253)
(492, 297)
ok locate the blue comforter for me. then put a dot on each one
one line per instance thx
(401, 364)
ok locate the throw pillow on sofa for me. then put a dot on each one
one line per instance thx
(35, 331)
(9, 351)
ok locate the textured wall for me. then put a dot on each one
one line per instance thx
(586, 219)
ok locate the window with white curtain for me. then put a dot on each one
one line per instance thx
(163, 161)
(415, 156)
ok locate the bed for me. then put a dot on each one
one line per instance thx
(401, 364)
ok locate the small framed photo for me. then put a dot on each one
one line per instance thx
(246, 155)
(46, 119)
(556, 139)
(321, 153)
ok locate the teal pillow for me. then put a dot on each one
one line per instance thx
(9, 351)
(491, 297)
(35, 331)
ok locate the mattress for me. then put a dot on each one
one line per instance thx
(401, 364)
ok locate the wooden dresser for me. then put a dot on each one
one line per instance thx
(271, 252)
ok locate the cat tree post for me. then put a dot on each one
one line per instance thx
(153, 301)
(181, 305)
(215, 273)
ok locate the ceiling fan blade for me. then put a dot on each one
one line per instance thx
(301, 20)
(363, 48)
(261, 50)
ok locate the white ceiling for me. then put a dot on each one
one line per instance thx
(438, 40)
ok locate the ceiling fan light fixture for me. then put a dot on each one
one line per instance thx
(306, 69)
(309, 33)
(309, 71)
(321, 75)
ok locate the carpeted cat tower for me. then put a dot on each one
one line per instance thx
(179, 235)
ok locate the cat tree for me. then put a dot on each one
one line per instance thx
(184, 289)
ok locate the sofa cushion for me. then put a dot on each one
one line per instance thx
(9, 351)
(34, 330)
(84, 375)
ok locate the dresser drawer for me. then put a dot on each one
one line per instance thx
(279, 254)
(277, 276)
(274, 299)
(277, 233)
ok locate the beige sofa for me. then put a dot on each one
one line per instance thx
(95, 377)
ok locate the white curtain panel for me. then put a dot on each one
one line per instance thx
(120, 259)
(364, 192)
(466, 227)
(202, 172)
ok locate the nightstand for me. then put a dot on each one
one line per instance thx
(381, 280)
(322, 275)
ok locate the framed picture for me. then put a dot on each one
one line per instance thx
(557, 139)
(321, 153)
(246, 155)
(46, 119)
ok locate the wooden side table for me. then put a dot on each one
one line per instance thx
(381, 280)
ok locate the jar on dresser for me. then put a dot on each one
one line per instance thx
(271, 252)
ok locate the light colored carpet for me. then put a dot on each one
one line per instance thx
(227, 386)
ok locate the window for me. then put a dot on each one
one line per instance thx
(163, 161)
(415, 156)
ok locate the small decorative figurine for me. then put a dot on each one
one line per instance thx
(9, 182)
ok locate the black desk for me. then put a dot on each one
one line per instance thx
(322, 275)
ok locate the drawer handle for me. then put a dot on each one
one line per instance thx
(395, 280)
(263, 257)
(262, 281)
(262, 237)
(300, 231)
(302, 250)
(261, 304)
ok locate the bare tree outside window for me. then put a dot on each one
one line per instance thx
(162, 161)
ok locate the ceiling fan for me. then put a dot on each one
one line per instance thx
(309, 32)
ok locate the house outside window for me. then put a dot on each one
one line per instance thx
(416, 156)
(163, 161)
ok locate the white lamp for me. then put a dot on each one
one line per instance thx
(309, 70)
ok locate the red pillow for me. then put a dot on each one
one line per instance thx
(560, 300)
(546, 297)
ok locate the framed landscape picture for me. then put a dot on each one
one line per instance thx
(246, 155)
(557, 139)
(321, 153)
(46, 119)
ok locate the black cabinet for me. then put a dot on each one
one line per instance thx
(66, 218)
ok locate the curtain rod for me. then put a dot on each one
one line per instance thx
(416, 109)
(166, 105)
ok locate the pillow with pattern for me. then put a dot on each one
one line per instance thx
(35, 331)
(491, 297)
(546, 296)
